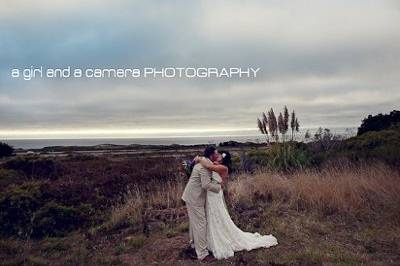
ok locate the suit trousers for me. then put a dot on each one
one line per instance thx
(197, 229)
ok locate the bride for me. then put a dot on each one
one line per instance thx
(223, 236)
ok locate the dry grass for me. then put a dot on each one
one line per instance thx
(361, 192)
(166, 196)
(130, 211)
(358, 191)
(292, 207)
(135, 202)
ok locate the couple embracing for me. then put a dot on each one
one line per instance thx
(210, 225)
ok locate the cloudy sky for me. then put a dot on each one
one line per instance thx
(334, 62)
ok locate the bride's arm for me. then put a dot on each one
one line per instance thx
(222, 170)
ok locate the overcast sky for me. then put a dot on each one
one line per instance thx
(334, 62)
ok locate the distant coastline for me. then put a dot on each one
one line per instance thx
(27, 144)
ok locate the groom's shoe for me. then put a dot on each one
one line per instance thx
(188, 252)
(192, 255)
(208, 259)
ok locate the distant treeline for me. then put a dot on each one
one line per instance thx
(379, 122)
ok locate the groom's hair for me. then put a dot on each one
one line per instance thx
(209, 150)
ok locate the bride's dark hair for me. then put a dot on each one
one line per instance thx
(226, 160)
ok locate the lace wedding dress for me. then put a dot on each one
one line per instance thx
(223, 236)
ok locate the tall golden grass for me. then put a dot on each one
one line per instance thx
(359, 191)
(128, 212)
(362, 191)
(136, 202)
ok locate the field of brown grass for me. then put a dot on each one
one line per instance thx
(343, 214)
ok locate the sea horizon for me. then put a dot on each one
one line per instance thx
(256, 137)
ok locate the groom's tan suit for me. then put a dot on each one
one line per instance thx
(194, 195)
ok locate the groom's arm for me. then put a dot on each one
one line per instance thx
(206, 181)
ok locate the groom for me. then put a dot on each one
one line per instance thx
(194, 196)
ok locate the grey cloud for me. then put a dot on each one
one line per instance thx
(333, 62)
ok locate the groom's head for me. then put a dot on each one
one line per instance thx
(211, 153)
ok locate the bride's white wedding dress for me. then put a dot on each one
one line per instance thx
(223, 236)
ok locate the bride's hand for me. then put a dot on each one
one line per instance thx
(197, 159)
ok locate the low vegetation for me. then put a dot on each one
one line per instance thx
(51, 197)
(5, 150)
(330, 200)
(344, 213)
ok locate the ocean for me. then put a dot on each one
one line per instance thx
(40, 143)
(182, 140)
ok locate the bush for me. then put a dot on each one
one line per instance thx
(370, 146)
(35, 167)
(282, 157)
(379, 122)
(18, 205)
(54, 220)
(383, 145)
(5, 150)
(8, 177)
(26, 212)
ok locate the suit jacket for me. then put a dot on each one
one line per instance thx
(199, 183)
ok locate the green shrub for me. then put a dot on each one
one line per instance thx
(379, 122)
(27, 212)
(18, 205)
(34, 167)
(282, 157)
(54, 220)
(8, 177)
(5, 150)
(382, 145)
